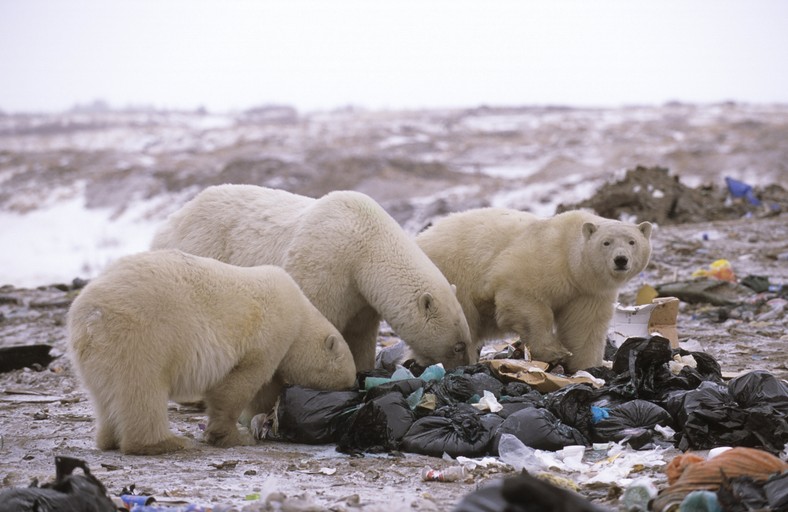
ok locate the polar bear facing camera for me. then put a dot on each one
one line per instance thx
(350, 257)
(552, 281)
(168, 325)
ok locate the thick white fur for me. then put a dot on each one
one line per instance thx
(552, 281)
(165, 324)
(349, 256)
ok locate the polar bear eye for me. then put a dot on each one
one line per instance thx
(605, 243)
(631, 242)
(459, 347)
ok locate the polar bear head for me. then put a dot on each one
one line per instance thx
(616, 251)
(434, 327)
(320, 358)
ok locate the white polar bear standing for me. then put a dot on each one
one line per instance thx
(350, 257)
(552, 281)
(165, 324)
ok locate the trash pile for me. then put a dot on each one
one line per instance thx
(653, 397)
(651, 193)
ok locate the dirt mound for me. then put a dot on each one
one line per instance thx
(651, 193)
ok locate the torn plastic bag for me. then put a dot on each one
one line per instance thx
(68, 493)
(455, 430)
(634, 421)
(572, 405)
(539, 428)
(389, 357)
(378, 426)
(524, 493)
(452, 389)
(315, 417)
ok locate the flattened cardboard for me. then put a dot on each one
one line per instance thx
(659, 317)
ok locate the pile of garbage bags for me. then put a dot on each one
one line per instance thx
(653, 395)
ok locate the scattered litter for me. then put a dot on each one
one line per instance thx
(718, 269)
(450, 474)
(524, 492)
(739, 189)
(637, 495)
(25, 356)
(712, 291)
(68, 492)
(488, 402)
(690, 472)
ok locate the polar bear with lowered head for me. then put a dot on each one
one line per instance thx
(552, 281)
(350, 257)
(165, 324)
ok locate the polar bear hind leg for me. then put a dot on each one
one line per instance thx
(143, 425)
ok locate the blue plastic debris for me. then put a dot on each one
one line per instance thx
(739, 189)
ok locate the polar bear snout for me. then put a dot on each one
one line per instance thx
(621, 262)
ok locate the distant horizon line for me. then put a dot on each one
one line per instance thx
(99, 106)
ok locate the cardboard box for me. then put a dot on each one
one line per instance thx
(659, 317)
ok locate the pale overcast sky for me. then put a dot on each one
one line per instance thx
(406, 53)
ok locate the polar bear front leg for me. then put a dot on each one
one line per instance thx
(582, 327)
(230, 396)
(533, 321)
(361, 334)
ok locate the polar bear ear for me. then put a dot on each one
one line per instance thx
(454, 289)
(330, 342)
(588, 229)
(645, 228)
(426, 301)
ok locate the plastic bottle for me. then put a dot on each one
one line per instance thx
(452, 474)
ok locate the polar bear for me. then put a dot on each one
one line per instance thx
(350, 257)
(552, 281)
(166, 324)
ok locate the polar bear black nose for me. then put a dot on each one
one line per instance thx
(621, 261)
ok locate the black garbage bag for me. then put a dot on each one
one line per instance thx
(481, 382)
(748, 412)
(776, 490)
(404, 387)
(456, 430)
(572, 405)
(452, 389)
(539, 428)
(642, 365)
(517, 389)
(758, 388)
(378, 426)
(68, 493)
(315, 417)
(743, 494)
(25, 356)
(524, 493)
(633, 421)
(517, 403)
